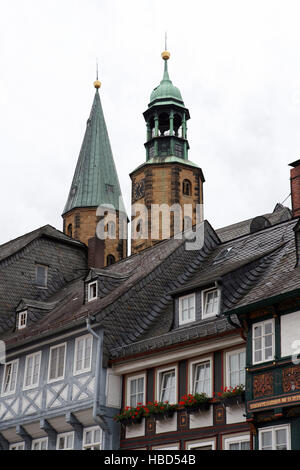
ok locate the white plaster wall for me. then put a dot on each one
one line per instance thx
(167, 425)
(290, 332)
(135, 430)
(201, 419)
(234, 414)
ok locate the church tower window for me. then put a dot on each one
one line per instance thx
(187, 188)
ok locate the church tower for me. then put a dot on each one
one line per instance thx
(167, 177)
(95, 183)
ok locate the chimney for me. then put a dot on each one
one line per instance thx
(295, 187)
(96, 252)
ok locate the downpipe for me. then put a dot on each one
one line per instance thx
(99, 399)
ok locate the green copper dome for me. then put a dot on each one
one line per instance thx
(166, 92)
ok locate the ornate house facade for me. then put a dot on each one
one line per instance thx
(190, 343)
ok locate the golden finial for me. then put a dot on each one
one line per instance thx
(97, 83)
(166, 54)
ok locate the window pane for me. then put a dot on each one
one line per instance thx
(211, 302)
(88, 437)
(61, 443)
(44, 445)
(258, 344)
(36, 369)
(41, 276)
(268, 341)
(258, 356)
(202, 378)
(234, 446)
(97, 436)
(245, 445)
(53, 363)
(266, 438)
(257, 331)
(136, 391)
(268, 353)
(88, 351)
(168, 387)
(268, 328)
(69, 442)
(61, 361)
(281, 439)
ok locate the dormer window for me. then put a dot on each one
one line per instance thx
(41, 275)
(187, 310)
(22, 320)
(210, 302)
(92, 291)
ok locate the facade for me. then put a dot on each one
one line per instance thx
(190, 343)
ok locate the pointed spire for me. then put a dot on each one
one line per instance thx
(95, 181)
(166, 77)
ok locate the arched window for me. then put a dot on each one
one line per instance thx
(70, 230)
(164, 124)
(187, 188)
(110, 260)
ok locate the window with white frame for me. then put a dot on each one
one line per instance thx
(235, 367)
(263, 341)
(201, 445)
(57, 362)
(40, 444)
(201, 376)
(187, 310)
(92, 291)
(10, 378)
(136, 390)
(17, 446)
(167, 385)
(32, 370)
(65, 441)
(22, 320)
(210, 302)
(92, 438)
(41, 275)
(274, 438)
(202, 379)
(166, 447)
(237, 442)
(83, 354)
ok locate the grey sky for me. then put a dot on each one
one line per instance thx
(237, 64)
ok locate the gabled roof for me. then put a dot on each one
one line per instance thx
(12, 247)
(95, 181)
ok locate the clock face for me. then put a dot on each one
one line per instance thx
(138, 190)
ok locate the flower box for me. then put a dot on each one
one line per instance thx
(162, 416)
(198, 407)
(234, 399)
(130, 421)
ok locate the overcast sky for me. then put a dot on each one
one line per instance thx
(236, 62)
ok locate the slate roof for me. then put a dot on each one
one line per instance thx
(17, 264)
(135, 305)
(13, 246)
(95, 180)
(280, 214)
